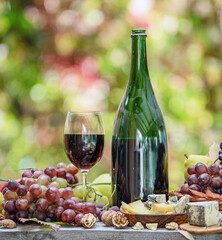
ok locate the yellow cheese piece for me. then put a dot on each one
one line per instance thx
(162, 208)
(136, 207)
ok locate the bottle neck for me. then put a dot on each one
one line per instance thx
(139, 74)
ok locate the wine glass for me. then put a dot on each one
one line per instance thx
(84, 141)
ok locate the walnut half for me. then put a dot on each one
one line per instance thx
(119, 220)
(171, 226)
(88, 220)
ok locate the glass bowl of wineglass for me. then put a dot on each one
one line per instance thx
(84, 141)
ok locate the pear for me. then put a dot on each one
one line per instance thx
(193, 160)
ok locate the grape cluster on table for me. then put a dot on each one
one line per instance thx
(46, 195)
(202, 177)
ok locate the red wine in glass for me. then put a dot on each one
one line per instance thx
(84, 150)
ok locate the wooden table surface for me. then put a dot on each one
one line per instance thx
(98, 232)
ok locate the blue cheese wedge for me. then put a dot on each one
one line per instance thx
(203, 214)
(172, 200)
(180, 205)
(160, 198)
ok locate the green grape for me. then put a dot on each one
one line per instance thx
(78, 192)
(62, 182)
(104, 199)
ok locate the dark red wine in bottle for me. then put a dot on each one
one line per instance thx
(139, 143)
(84, 150)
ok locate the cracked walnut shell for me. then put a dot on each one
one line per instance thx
(119, 220)
(88, 220)
(8, 223)
(107, 217)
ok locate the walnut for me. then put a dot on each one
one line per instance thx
(171, 226)
(138, 226)
(8, 223)
(107, 217)
(119, 220)
(88, 220)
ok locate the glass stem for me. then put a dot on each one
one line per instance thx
(84, 175)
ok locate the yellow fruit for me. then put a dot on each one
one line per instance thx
(193, 160)
(1, 200)
(103, 189)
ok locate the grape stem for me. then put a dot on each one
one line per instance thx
(216, 160)
(186, 156)
(110, 197)
(3, 180)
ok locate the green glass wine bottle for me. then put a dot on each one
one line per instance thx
(139, 143)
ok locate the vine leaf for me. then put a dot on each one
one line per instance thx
(199, 194)
(54, 226)
(212, 195)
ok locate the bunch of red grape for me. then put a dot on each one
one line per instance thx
(45, 195)
(202, 177)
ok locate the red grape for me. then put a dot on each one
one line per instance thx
(39, 214)
(101, 205)
(61, 191)
(38, 173)
(22, 180)
(76, 179)
(29, 182)
(61, 172)
(52, 194)
(67, 193)
(50, 171)
(115, 208)
(51, 211)
(100, 216)
(42, 203)
(9, 195)
(3, 204)
(89, 207)
(28, 196)
(191, 170)
(22, 214)
(43, 180)
(34, 170)
(60, 202)
(69, 204)
(21, 190)
(76, 200)
(32, 207)
(9, 206)
(184, 188)
(69, 178)
(61, 165)
(201, 168)
(78, 207)
(5, 190)
(216, 182)
(213, 169)
(195, 187)
(58, 211)
(44, 189)
(204, 179)
(22, 204)
(192, 179)
(72, 169)
(68, 216)
(54, 184)
(35, 190)
(27, 173)
(220, 166)
(220, 173)
(12, 185)
(10, 216)
(78, 219)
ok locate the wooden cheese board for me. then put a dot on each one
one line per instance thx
(161, 219)
(201, 230)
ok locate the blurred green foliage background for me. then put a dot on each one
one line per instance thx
(61, 55)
